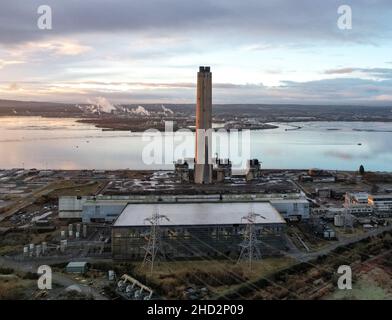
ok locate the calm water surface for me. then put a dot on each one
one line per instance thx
(35, 142)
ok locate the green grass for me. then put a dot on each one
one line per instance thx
(362, 290)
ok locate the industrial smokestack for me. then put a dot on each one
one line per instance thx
(203, 165)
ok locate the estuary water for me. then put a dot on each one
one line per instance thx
(51, 143)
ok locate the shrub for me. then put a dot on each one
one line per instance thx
(6, 270)
(30, 276)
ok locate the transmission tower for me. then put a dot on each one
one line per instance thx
(250, 245)
(154, 239)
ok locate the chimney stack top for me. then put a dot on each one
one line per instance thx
(204, 69)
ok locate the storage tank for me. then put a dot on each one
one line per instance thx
(111, 275)
(63, 245)
(38, 250)
(44, 247)
(31, 249)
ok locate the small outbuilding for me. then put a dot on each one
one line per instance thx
(77, 267)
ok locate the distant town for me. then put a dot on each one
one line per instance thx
(127, 117)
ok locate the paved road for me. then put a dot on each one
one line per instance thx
(58, 278)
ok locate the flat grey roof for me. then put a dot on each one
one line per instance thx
(226, 213)
(77, 264)
(289, 201)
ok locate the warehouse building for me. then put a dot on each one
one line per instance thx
(382, 204)
(108, 208)
(196, 230)
(102, 212)
(77, 267)
(71, 207)
(292, 209)
(91, 208)
(358, 198)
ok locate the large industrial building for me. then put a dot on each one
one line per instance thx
(108, 208)
(365, 204)
(382, 204)
(196, 229)
(91, 208)
(291, 209)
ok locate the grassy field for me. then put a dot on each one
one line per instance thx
(340, 232)
(13, 287)
(74, 188)
(14, 241)
(172, 278)
(258, 267)
(363, 289)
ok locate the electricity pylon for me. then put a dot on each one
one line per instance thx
(154, 239)
(250, 246)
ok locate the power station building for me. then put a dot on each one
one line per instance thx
(204, 218)
(196, 230)
(105, 208)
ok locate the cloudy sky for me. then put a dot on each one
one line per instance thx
(260, 51)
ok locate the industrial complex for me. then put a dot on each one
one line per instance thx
(206, 219)
(90, 222)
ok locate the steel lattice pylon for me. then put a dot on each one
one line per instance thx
(154, 239)
(250, 248)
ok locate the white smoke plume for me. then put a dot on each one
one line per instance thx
(89, 108)
(102, 104)
(140, 111)
(167, 110)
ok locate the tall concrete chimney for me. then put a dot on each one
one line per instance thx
(203, 163)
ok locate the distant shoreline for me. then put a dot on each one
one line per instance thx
(142, 172)
(140, 124)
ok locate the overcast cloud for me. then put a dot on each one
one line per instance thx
(273, 51)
